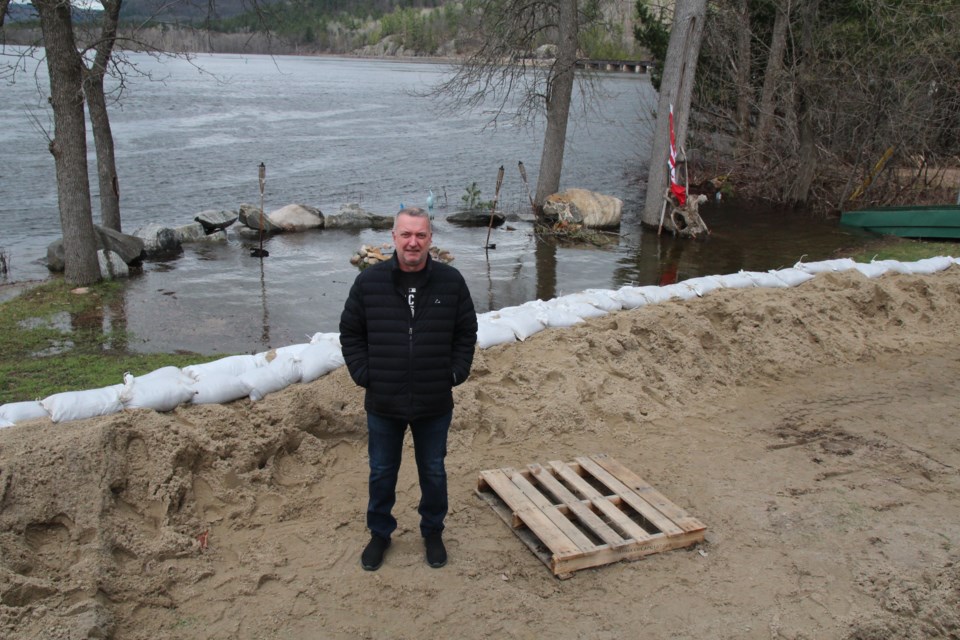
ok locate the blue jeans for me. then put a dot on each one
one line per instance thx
(385, 447)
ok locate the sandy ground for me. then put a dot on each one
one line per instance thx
(813, 430)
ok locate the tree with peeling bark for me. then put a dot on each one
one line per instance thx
(676, 88)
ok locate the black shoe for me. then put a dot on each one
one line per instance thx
(372, 556)
(436, 552)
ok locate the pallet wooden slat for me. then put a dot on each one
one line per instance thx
(626, 494)
(651, 495)
(569, 532)
(572, 477)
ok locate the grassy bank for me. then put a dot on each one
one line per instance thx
(53, 339)
(56, 339)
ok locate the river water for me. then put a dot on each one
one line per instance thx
(191, 134)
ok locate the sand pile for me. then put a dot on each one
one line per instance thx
(813, 430)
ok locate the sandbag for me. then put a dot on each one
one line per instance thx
(654, 294)
(523, 322)
(630, 297)
(14, 412)
(824, 266)
(293, 350)
(927, 266)
(741, 280)
(80, 405)
(872, 270)
(679, 290)
(162, 390)
(231, 365)
(582, 310)
(556, 316)
(279, 374)
(703, 285)
(766, 280)
(793, 277)
(894, 266)
(219, 388)
(331, 338)
(599, 298)
(491, 332)
(319, 359)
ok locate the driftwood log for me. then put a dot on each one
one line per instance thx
(685, 220)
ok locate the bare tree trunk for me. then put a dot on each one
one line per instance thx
(774, 70)
(3, 10)
(679, 70)
(100, 119)
(559, 92)
(798, 192)
(69, 144)
(744, 88)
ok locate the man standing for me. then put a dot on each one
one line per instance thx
(408, 331)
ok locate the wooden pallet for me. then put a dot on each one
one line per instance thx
(586, 513)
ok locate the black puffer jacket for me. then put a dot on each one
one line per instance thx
(408, 365)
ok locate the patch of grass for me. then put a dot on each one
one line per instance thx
(903, 249)
(53, 339)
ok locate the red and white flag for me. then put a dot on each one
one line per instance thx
(677, 189)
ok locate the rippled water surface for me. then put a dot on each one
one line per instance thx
(190, 135)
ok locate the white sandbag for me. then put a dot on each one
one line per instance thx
(894, 266)
(219, 388)
(767, 280)
(599, 298)
(872, 270)
(654, 294)
(927, 266)
(582, 310)
(679, 290)
(332, 338)
(630, 297)
(319, 359)
(793, 277)
(279, 374)
(556, 316)
(523, 322)
(15, 412)
(703, 285)
(5, 423)
(823, 266)
(80, 405)
(491, 332)
(231, 365)
(162, 390)
(741, 280)
(293, 350)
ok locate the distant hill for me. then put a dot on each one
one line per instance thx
(185, 10)
(20, 13)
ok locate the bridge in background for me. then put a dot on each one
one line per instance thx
(624, 66)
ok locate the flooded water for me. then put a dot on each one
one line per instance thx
(333, 131)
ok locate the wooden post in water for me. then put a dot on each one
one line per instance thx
(260, 253)
(493, 208)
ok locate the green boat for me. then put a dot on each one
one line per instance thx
(934, 221)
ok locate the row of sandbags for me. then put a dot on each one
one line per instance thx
(255, 376)
(518, 323)
(217, 382)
